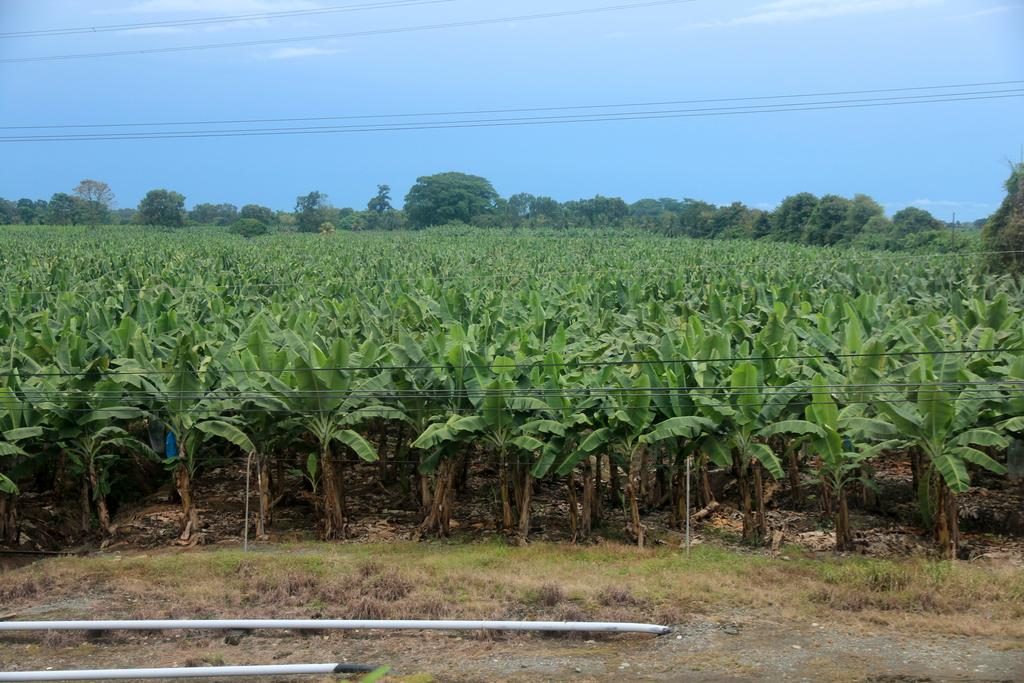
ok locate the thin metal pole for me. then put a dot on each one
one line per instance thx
(333, 624)
(689, 458)
(184, 672)
(245, 523)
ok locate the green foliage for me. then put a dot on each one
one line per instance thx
(162, 208)
(311, 212)
(258, 213)
(249, 227)
(517, 347)
(1004, 231)
(448, 197)
(214, 214)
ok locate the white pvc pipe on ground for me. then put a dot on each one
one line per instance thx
(183, 672)
(344, 624)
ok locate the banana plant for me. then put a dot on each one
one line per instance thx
(503, 422)
(432, 389)
(623, 418)
(747, 415)
(840, 463)
(179, 392)
(1014, 425)
(949, 426)
(568, 412)
(329, 400)
(81, 413)
(19, 422)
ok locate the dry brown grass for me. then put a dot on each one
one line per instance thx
(539, 581)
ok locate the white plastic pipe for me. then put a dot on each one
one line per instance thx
(344, 624)
(176, 672)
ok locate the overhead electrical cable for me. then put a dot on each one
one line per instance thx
(491, 123)
(350, 34)
(516, 110)
(175, 23)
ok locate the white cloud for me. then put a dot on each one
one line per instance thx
(792, 11)
(945, 202)
(300, 52)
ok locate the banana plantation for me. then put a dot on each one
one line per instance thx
(600, 365)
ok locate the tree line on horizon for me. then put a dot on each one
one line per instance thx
(459, 198)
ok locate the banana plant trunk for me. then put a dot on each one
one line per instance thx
(706, 493)
(947, 525)
(591, 503)
(102, 511)
(190, 514)
(84, 507)
(524, 505)
(793, 470)
(439, 518)
(8, 518)
(746, 501)
(333, 497)
(265, 519)
(614, 489)
(503, 483)
(574, 510)
(633, 484)
(761, 518)
(844, 536)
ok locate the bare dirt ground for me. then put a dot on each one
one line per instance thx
(753, 646)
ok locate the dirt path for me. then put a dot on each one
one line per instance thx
(749, 646)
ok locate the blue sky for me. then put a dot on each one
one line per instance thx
(944, 157)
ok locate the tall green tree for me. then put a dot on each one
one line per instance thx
(214, 214)
(259, 213)
(448, 197)
(1004, 231)
(98, 198)
(789, 220)
(163, 208)
(311, 211)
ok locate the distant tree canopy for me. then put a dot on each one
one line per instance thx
(98, 200)
(255, 212)
(311, 212)
(164, 208)
(380, 203)
(214, 214)
(449, 197)
(1004, 231)
(65, 209)
(462, 198)
(249, 227)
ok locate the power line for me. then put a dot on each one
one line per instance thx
(573, 117)
(488, 123)
(485, 123)
(350, 34)
(517, 110)
(108, 28)
(528, 366)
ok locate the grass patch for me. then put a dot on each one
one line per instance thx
(493, 580)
